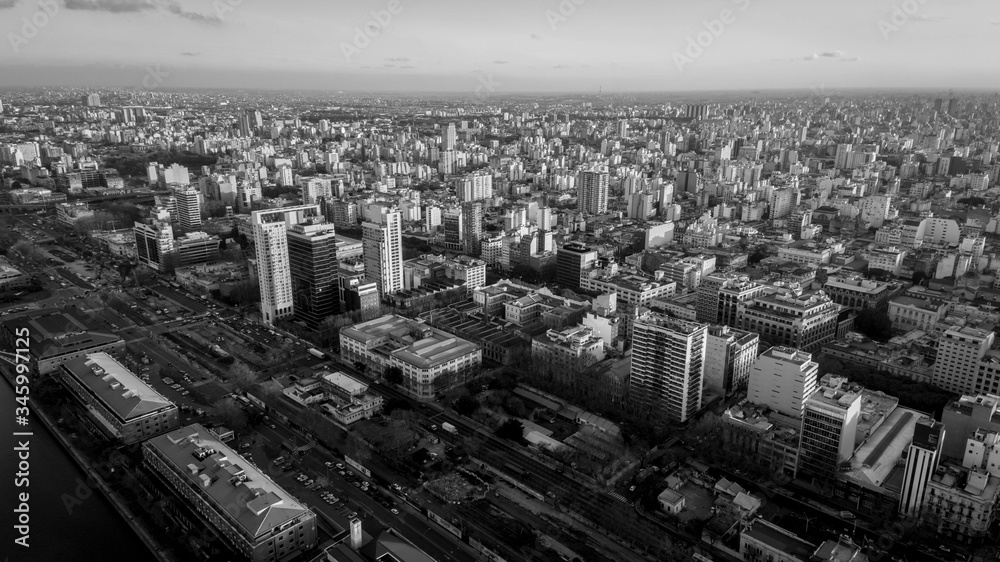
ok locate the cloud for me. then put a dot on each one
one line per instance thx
(397, 59)
(500, 62)
(4, 4)
(133, 6)
(837, 54)
(561, 66)
(813, 56)
(995, 22)
(190, 54)
(832, 54)
(113, 6)
(407, 66)
(535, 36)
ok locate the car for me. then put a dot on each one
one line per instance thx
(352, 515)
(631, 488)
(328, 464)
(394, 511)
(340, 465)
(357, 485)
(272, 426)
(341, 473)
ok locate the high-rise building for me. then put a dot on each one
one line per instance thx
(829, 426)
(959, 352)
(571, 261)
(188, 203)
(449, 137)
(92, 100)
(382, 243)
(592, 186)
(316, 187)
(474, 186)
(668, 366)
(154, 241)
(312, 260)
(922, 459)
(453, 221)
(720, 296)
(782, 379)
(270, 229)
(730, 355)
(472, 227)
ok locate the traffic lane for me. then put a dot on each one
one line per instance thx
(74, 279)
(180, 298)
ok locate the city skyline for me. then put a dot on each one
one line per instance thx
(496, 49)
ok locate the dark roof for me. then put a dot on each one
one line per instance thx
(61, 332)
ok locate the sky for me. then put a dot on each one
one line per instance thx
(509, 46)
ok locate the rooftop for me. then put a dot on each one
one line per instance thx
(779, 539)
(410, 341)
(115, 386)
(60, 332)
(229, 482)
(874, 461)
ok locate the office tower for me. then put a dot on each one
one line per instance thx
(314, 188)
(270, 227)
(571, 261)
(730, 355)
(938, 104)
(448, 162)
(251, 514)
(194, 248)
(959, 352)
(312, 260)
(452, 222)
(284, 176)
(922, 459)
(668, 365)
(472, 227)
(1, 107)
(188, 204)
(804, 322)
(592, 188)
(782, 378)
(829, 424)
(154, 241)
(175, 174)
(92, 100)
(382, 244)
(449, 137)
(697, 111)
(953, 107)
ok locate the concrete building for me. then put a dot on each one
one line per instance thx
(729, 356)
(188, 201)
(829, 427)
(270, 228)
(567, 351)
(383, 249)
(763, 541)
(720, 296)
(959, 353)
(247, 510)
(791, 319)
(632, 290)
(592, 187)
(859, 293)
(922, 460)
(783, 379)
(668, 366)
(910, 313)
(964, 416)
(424, 354)
(154, 241)
(119, 403)
(572, 260)
(962, 500)
(195, 248)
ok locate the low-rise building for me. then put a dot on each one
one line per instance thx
(125, 408)
(12, 278)
(56, 337)
(567, 351)
(247, 510)
(860, 293)
(763, 541)
(909, 313)
(424, 354)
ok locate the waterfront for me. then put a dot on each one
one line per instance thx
(90, 530)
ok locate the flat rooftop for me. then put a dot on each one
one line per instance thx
(229, 482)
(784, 541)
(347, 384)
(120, 390)
(416, 343)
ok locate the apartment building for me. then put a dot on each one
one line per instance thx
(791, 319)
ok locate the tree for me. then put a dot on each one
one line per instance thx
(874, 324)
(230, 414)
(394, 375)
(242, 376)
(466, 405)
(512, 430)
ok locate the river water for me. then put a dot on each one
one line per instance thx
(88, 531)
